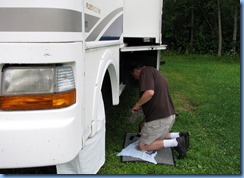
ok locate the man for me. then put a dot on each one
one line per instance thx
(159, 112)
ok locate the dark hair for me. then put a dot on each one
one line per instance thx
(135, 65)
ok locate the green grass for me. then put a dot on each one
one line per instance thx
(206, 93)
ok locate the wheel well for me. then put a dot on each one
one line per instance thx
(107, 90)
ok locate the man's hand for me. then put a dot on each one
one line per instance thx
(135, 108)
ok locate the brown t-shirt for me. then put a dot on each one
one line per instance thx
(161, 105)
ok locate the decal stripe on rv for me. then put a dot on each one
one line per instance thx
(114, 31)
(40, 20)
(90, 22)
(97, 31)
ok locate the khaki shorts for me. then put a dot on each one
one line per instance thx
(155, 129)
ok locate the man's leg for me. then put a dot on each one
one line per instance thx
(153, 133)
(178, 143)
(156, 145)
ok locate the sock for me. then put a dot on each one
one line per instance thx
(170, 143)
(175, 134)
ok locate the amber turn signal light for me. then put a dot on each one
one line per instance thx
(38, 101)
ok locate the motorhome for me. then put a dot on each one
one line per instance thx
(56, 58)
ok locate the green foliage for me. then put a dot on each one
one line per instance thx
(177, 26)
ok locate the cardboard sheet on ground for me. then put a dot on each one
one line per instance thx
(163, 156)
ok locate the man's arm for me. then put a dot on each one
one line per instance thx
(146, 96)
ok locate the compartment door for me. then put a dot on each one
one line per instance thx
(142, 19)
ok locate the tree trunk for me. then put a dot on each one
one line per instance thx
(235, 27)
(220, 30)
(192, 24)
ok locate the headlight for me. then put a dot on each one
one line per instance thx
(18, 81)
(37, 87)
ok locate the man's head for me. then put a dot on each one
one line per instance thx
(135, 70)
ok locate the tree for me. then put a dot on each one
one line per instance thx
(219, 30)
(192, 23)
(235, 26)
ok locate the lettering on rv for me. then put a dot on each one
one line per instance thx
(93, 8)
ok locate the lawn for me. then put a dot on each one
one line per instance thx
(206, 93)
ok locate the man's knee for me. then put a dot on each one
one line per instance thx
(142, 146)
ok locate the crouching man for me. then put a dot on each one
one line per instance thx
(158, 108)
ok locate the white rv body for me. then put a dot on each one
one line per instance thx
(55, 56)
(30, 138)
